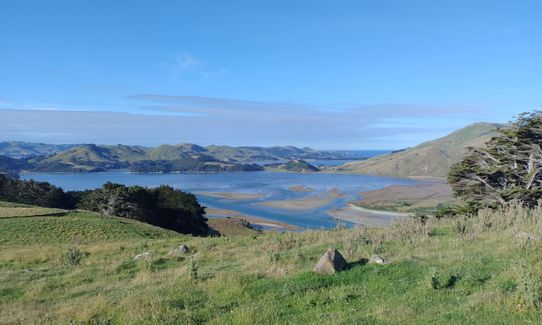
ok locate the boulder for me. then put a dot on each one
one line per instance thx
(331, 262)
(144, 256)
(377, 259)
(178, 250)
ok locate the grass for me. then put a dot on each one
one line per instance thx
(15, 210)
(484, 274)
(80, 227)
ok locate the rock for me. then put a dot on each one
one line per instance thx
(177, 250)
(525, 235)
(377, 259)
(331, 262)
(144, 256)
(27, 270)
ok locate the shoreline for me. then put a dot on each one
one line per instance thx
(218, 213)
(366, 217)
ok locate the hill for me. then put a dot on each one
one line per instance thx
(297, 165)
(80, 268)
(429, 159)
(18, 149)
(29, 225)
(184, 157)
(8, 164)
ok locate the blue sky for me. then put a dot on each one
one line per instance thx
(360, 74)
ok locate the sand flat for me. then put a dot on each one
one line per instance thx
(301, 188)
(366, 217)
(225, 213)
(233, 195)
(306, 203)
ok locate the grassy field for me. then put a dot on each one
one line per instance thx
(79, 268)
(14, 210)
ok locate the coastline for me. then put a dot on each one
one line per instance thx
(366, 217)
(217, 213)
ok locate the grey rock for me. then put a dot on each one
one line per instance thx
(331, 262)
(144, 256)
(178, 250)
(377, 259)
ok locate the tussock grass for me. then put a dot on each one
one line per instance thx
(484, 274)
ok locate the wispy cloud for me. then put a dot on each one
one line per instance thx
(186, 65)
(208, 120)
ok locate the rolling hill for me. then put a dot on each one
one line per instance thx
(429, 159)
(168, 158)
(18, 149)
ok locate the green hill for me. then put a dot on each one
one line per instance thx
(18, 149)
(297, 165)
(27, 225)
(429, 159)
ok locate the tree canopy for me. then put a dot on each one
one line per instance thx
(507, 170)
(163, 206)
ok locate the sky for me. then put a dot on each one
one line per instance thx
(365, 74)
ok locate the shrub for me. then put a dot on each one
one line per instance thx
(73, 256)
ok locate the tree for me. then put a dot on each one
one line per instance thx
(35, 193)
(163, 206)
(507, 170)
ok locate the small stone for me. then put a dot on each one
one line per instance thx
(145, 256)
(331, 262)
(177, 250)
(27, 270)
(525, 235)
(377, 259)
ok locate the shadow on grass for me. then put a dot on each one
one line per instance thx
(360, 262)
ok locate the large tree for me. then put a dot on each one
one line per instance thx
(508, 169)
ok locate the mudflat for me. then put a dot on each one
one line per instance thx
(233, 195)
(366, 217)
(216, 213)
(301, 188)
(425, 195)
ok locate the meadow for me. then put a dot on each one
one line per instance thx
(79, 268)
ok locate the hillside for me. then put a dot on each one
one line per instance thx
(8, 164)
(184, 157)
(429, 159)
(28, 225)
(297, 165)
(81, 268)
(18, 149)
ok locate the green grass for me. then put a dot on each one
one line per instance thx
(14, 210)
(83, 227)
(267, 278)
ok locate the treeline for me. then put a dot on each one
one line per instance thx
(163, 206)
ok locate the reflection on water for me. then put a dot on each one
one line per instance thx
(272, 185)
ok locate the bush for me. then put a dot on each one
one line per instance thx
(73, 257)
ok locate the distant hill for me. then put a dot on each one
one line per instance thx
(298, 165)
(164, 158)
(8, 164)
(429, 159)
(18, 149)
